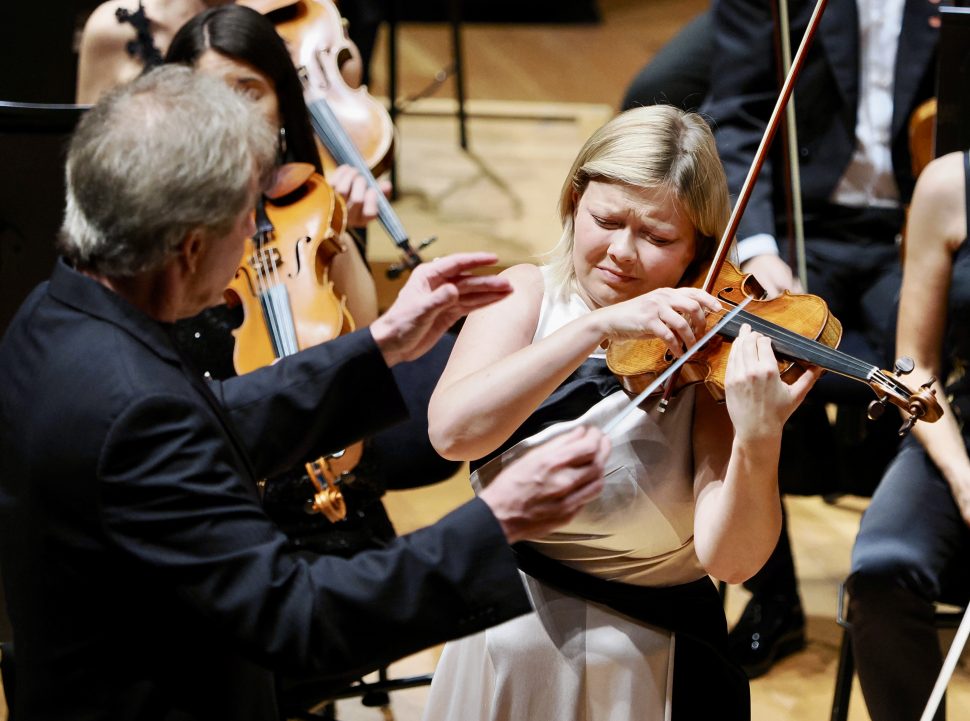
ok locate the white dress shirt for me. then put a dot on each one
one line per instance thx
(868, 180)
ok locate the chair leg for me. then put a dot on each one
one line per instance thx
(843, 679)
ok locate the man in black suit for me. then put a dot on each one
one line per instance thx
(869, 67)
(143, 578)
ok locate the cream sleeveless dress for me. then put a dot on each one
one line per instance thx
(573, 660)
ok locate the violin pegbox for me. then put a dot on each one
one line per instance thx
(919, 405)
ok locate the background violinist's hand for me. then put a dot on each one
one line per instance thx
(758, 400)
(436, 295)
(774, 274)
(361, 199)
(547, 486)
(677, 316)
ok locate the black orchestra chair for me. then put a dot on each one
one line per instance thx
(946, 617)
(316, 701)
(33, 142)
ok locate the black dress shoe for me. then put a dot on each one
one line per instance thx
(768, 630)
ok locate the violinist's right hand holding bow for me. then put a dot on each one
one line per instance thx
(677, 316)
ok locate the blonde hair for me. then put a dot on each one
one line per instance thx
(658, 146)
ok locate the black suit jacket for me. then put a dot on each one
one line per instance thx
(143, 578)
(744, 88)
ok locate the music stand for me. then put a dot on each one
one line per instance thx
(33, 141)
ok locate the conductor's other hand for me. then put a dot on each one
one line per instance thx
(549, 485)
(436, 295)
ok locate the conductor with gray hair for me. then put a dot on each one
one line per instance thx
(143, 578)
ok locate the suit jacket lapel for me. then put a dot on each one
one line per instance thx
(195, 377)
(917, 47)
(838, 34)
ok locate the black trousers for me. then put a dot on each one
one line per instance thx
(913, 548)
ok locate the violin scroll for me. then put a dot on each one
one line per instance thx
(919, 405)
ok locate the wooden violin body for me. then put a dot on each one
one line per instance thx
(639, 362)
(283, 283)
(329, 65)
(283, 278)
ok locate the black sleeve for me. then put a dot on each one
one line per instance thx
(742, 94)
(318, 400)
(173, 503)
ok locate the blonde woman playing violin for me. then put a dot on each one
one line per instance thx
(626, 616)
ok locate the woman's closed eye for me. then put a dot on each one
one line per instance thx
(656, 239)
(605, 222)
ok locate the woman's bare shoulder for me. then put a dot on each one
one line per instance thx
(103, 26)
(525, 277)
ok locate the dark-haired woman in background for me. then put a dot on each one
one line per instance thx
(243, 48)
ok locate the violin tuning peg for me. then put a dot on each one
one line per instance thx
(875, 409)
(928, 386)
(905, 428)
(904, 365)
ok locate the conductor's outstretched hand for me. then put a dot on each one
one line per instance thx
(436, 295)
(547, 486)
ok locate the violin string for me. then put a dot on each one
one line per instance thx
(815, 351)
(718, 327)
(258, 263)
(265, 299)
(283, 314)
(801, 348)
(268, 297)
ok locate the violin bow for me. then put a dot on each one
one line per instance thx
(674, 367)
(551, 432)
(794, 211)
(759, 157)
(724, 247)
(952, 656)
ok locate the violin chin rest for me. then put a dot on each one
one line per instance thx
(289, 177)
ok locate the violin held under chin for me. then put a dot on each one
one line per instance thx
(802, 332)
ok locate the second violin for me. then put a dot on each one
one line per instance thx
(354, 128)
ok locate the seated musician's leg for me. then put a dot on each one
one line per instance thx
(911, 542)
